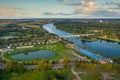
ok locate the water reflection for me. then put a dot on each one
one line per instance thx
(104, 47)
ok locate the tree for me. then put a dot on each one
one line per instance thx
(91, 67)
(106, 67)
(20, 68)
(76, 60)
(116, 67)
(44, 66)
(9, 66)
(66, 62)
(94, 61)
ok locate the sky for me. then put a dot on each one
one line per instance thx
(10, 9)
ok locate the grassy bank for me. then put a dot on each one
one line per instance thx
(109, 39)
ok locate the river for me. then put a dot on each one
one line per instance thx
(109, 49)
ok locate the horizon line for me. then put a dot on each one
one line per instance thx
(63, 18)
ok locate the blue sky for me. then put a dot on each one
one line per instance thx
(59, 8)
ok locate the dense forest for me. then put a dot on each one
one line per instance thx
(110, 29)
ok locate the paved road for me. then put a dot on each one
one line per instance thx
(75, 73)
(106, 76)
(30, 66)
(3, 51)
(2, 56)
(2, 65)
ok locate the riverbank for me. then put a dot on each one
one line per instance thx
(109, 39)
(88, 40)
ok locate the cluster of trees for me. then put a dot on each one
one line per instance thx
(106, 67)
(48, 73)
(84, 64)
(44, 71)
(56, 61)
(17, 30)
(83, 27)
(44, 65)
(116, 60)
(66, 62)
(14, 67)
(2, 61)
(94, 65)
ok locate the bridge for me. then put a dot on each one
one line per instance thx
(78, 35)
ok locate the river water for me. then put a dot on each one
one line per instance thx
(103, 47)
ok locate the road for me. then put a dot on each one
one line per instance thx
(78, 35)
(2, 65)
(2, 55)
(75, 73)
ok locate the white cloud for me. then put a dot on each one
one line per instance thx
(87, 6)
(10, 12)
(94, 8)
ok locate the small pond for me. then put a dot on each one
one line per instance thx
(42, 54)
